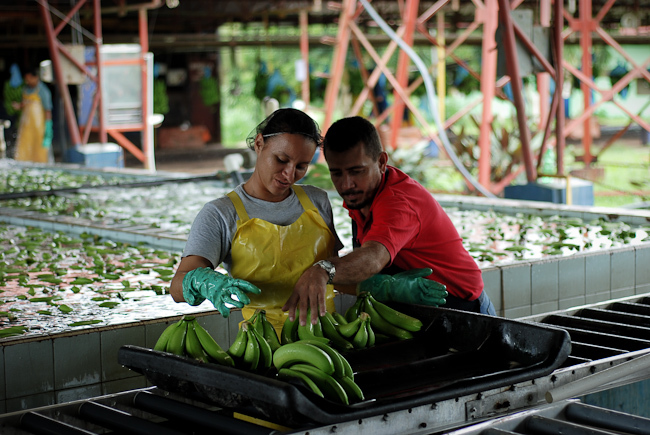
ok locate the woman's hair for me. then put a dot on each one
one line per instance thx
(347, 133)
(286, 121)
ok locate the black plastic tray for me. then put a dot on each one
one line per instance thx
(457, 353)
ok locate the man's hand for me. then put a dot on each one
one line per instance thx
(206, 283)
(309, 293)
(411, 287)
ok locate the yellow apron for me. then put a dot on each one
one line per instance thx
(31, 129)
(274, 256)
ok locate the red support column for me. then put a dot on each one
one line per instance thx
(304, 52)
(103, 136)
(70, 118)
(144, 48)
(338, 61)
(517, 91)
(560, 141)
(586, 46)
(409, 19)
(489, 18)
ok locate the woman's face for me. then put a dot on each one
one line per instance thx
(281, 161)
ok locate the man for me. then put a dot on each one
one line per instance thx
(399, 227)
(35, 126)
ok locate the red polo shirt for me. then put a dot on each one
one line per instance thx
(411, 224)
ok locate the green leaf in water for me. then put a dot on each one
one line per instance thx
(12, 331)
(85, 322)
(109, 304)
(45, 312)
(47, 299)
(100, 298)
(64, 308)
(81, 281)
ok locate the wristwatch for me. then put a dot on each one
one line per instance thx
(328, 267)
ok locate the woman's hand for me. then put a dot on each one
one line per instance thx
(308, 293)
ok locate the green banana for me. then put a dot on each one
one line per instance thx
(360, 339)
(256, 320)
(252, 352)
(354, 392)
(192, 344)
(371, 334)
(211, 347)
(330, 332)
(289, 332)
(266, 353)
(271, 335)
(297, 352)
(176, 343)
(337, 358)
(316, 327)
(349, 329)
(326, 383)
(238, 346)
(395, 317)
(354, 311)
(338, 318)
(288, 373)
(306, 332)
(381, 325)
(161, 344)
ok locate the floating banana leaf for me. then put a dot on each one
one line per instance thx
(85, 322)
(64, 308)
(81, 281)
(12, 331)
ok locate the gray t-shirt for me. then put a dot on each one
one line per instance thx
(214, 227)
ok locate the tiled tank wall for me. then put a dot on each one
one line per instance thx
(64, 367)
(534, 287)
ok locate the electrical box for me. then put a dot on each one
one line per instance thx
(555, 191)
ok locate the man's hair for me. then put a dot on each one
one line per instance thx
(33, 70)
(347, 133)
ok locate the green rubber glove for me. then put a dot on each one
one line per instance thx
(410, 287)
(47, 137)
(206, 283)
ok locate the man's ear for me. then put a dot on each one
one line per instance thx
(383, 161)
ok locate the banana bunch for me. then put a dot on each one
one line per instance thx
(250, 350)
(320, 367)
(359, 331)
(386, 322)
(324, 330)
(188, 338)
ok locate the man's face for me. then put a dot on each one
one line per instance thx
(31, 80)
(356, 176)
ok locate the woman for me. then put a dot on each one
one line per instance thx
(35, 128)
(266, 232)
